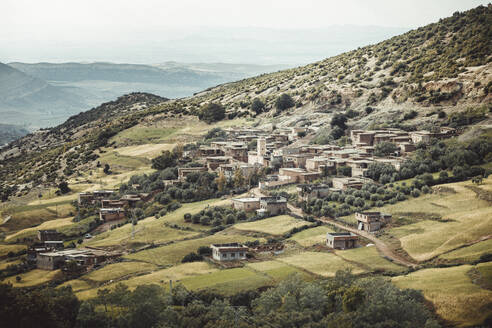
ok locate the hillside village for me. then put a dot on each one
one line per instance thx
(275, 206)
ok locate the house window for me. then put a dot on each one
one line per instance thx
(233, 255)
(241, 254)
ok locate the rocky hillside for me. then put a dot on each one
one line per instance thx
(416, 80)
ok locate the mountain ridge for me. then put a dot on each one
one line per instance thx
(404, 82)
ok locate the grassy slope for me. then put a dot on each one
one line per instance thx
(322, 264)
(469, 253)
(370, 258)
(312, 236)
(32, 278)
(452, 292)
(469, 220)
(118, 270)
(173, 253)
(276, 225)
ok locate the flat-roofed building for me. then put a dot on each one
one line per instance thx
(371, 221)
(345, 183)
(184, 171)
(274, 205)
(111, 214)
(229, 252)
(306, 192)
(49, 235)
(247, 204)
(341, 240)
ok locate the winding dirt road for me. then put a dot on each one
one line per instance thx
(380, 245)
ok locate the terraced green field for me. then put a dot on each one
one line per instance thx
(322, 264)
(370, 258)
(312, 236)
(276, 225)
(119, 270)
(174, 253)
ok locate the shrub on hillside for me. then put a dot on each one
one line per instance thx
(283, 102)
(211, 112)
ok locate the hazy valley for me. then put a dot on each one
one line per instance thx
(353, 191)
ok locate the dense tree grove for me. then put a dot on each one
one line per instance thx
(343, 301)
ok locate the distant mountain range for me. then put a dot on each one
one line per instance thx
(45, 94)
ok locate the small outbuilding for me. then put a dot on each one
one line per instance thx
(341, 240)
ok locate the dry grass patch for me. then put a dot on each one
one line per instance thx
(369, 257)
(469, 253)
(323, 264)
(32, 278)
(76, 284)
(5, 264)
(277, 270)
(312, 236)
(228, 282)
(452, 292)
(159, 277)
(118, 270)
(276, 225)
(147, 231)
(148, 151)
(467, 220)
(52, 224)
(5, 249)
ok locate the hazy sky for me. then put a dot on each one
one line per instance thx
(29, 26)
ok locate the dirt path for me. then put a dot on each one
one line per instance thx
(380, 245)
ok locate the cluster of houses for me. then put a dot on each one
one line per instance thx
(111, 209)
(303, 164)
(366, 221)
(49, 253)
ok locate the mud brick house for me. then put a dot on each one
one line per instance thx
(248, 204)
(130, 199)
(345, 183)
(82, 257)
(341, 240)
(184, 171)
(109, 203)
(299, 175)
(214, 162)
(359, 166)
(238, 152)
(273, 205)
(298, 160)
(320, 164)
(85, 198)
(49, 261)
(371, 221)
(306, 192)
(205, 151)
(111, 214)
(49, 235)
(89, 198)
(229, 252)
